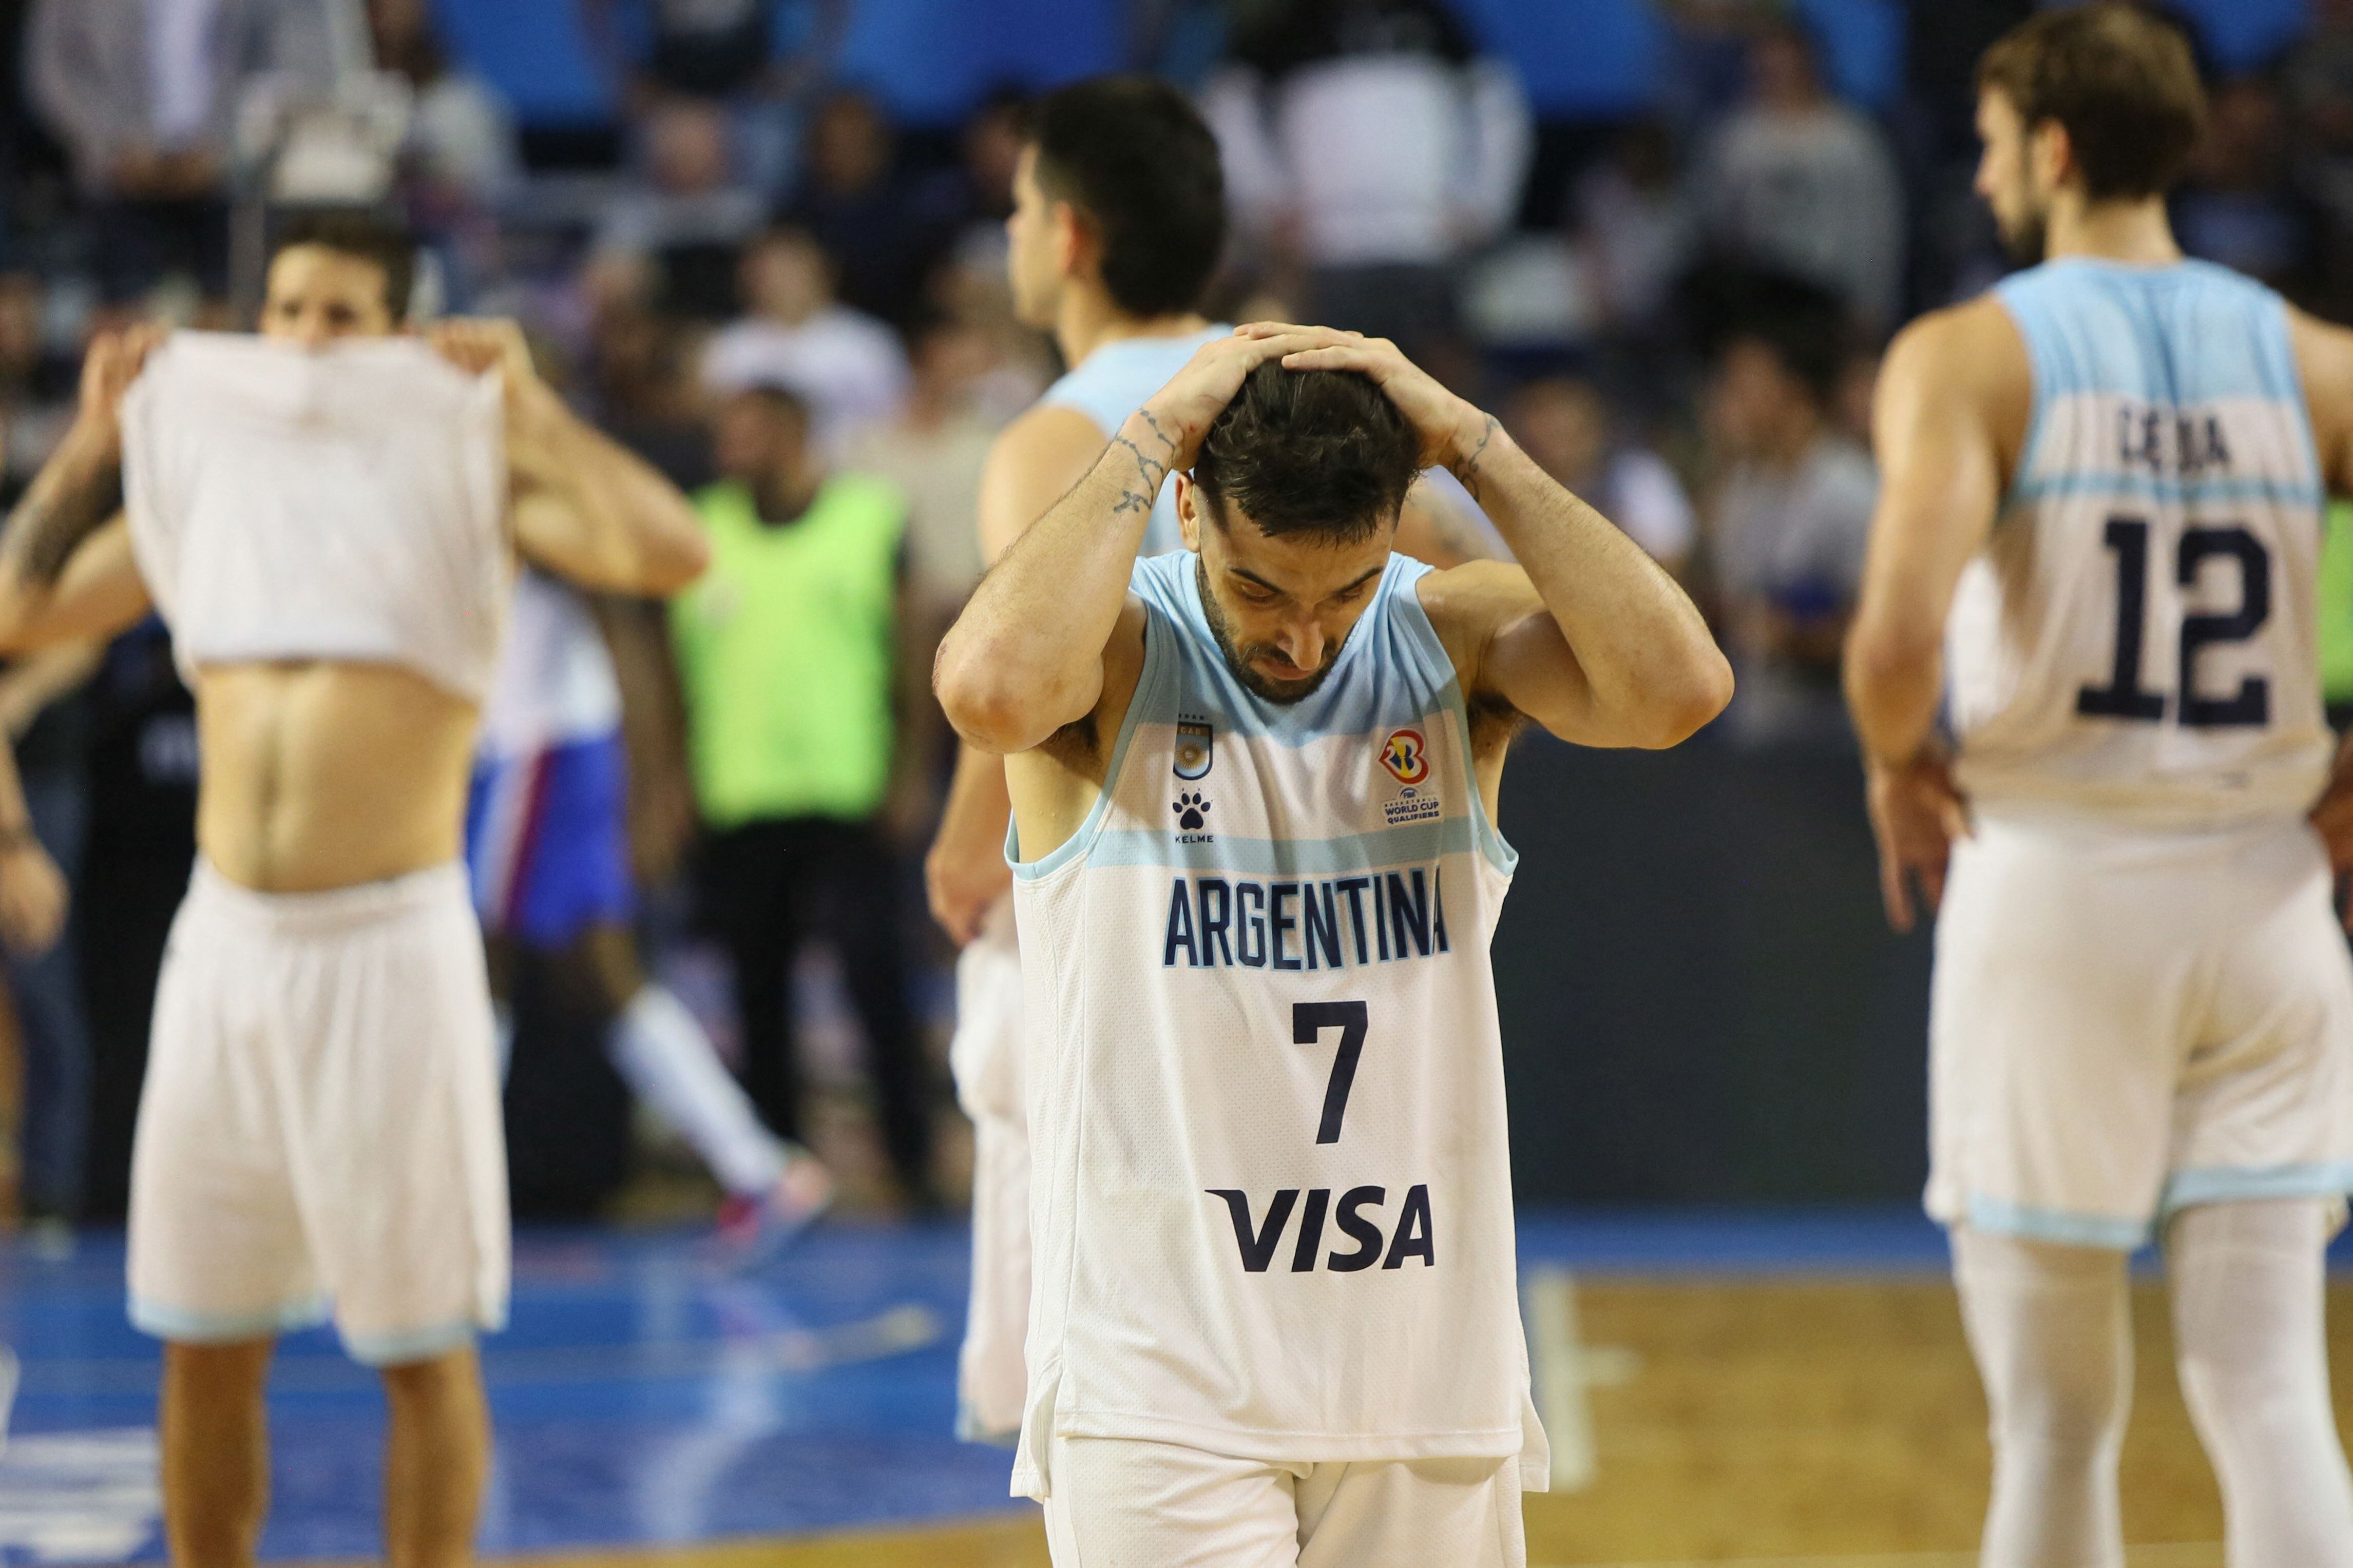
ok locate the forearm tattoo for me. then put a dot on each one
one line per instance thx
(1141, 493)
(68, 503)
(1467, 469)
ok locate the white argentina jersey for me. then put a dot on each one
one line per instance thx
(2137, 639)
(1117, 380)
(1271, 1192)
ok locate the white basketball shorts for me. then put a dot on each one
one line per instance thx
(2127, 1023)
(1118, 1502)
(992, 1377)
(319, 1134)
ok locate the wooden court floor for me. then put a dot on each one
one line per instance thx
(1822, 1422)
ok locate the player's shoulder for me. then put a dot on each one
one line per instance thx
(1466, 604)
(1973, 341)
(2324, 354)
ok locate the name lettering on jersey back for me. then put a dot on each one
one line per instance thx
(1240, 922)
(1259, 1240)
(2171, 442)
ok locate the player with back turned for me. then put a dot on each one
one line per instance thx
(2099, 528)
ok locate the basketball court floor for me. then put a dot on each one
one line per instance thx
(1789, 1389)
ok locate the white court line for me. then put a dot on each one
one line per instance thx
(1562, 1369)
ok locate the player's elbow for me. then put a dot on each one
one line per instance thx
(1688, 699)
(992, 712)
(672, 565)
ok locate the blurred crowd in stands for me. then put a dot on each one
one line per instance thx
(1677, 310)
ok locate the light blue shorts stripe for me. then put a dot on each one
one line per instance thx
(168, 1322)
(2183, 1189)
(420, 1344)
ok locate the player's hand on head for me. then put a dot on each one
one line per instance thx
(33, 900)
(1451, 427)
(1917, 813)
(1182, 412)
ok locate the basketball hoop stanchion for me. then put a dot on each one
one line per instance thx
(299, 146)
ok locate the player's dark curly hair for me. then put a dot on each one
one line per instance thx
(1316, 452)
(1133, 156)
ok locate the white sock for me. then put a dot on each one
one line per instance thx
(2249, 1330)
(2052, 1331)
(657, 1044)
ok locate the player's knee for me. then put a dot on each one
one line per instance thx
(213, 1372)
(453, 1377)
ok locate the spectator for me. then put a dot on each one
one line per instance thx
(1638, 227)
(645, 392)
(932, 453)
(846, 364)
(1560, 422)
(463, 155)
(1800, 183)
(688, 215)
(144, 97)
(976, 196)
(2236, 205)
(853, 202)
(722, 53)
(1789, 520)
(1368, 137)
(797, 684)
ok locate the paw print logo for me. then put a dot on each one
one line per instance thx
(1192, 811)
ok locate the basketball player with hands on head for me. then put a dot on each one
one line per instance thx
(1275, 1317)
(2100, 522)
(1118, 224)
(329, 521)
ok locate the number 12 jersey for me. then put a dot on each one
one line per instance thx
(1272, 1187)
(2138, 639)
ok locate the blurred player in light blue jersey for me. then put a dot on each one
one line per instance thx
(548, 846)
(2097, 542)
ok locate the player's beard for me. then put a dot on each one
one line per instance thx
(2026, 236)
(2026, 239)
(1238, 660)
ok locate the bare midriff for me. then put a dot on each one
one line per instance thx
(322, 775)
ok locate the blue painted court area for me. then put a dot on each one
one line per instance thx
(646, 1395)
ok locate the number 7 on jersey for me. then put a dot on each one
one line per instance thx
(1308, 1021)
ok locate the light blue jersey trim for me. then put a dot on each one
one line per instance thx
(1385, 699)
(1158, 674)
(2186, 492)
(179, 1324)
(2180, 336)
(419, 1344)
(2057, 1225)
(2189, 1189)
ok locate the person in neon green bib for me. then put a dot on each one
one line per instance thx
(796, 672)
